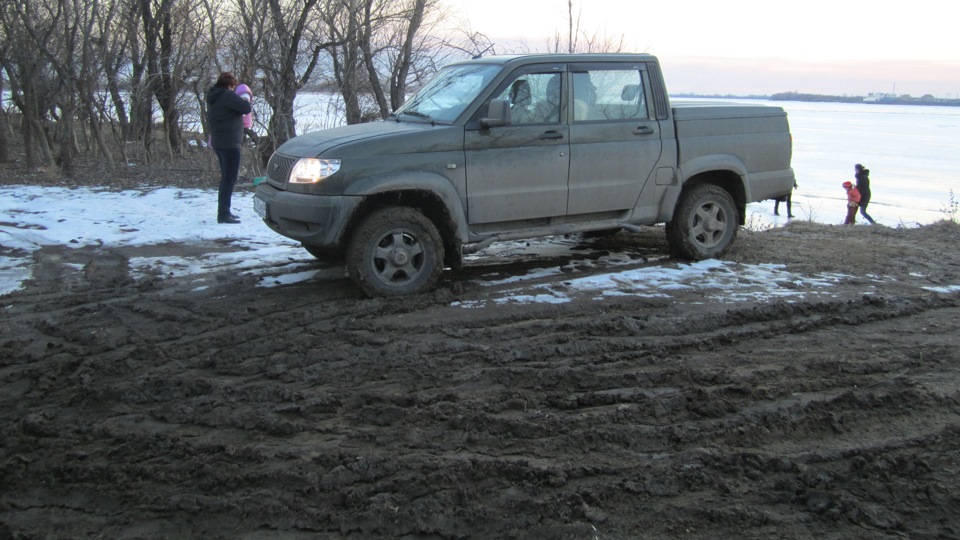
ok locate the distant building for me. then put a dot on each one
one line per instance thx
(879, 97)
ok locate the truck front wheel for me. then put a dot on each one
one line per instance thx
(704, 224)
(395, 251)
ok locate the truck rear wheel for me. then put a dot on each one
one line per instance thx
(395, 251)
(704, 224)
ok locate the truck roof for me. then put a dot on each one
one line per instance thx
(555, 57)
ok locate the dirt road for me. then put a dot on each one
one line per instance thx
(213, 408)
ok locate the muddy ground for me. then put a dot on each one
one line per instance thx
(213, 408)
(210, 407)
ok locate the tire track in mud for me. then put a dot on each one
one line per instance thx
(510, 408)
(686, 410)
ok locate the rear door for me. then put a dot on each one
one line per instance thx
(519, 171)
(614, 138)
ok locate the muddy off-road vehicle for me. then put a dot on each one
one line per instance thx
(512, 147)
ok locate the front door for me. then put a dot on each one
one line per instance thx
(519, 171)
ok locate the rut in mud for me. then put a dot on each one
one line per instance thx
(159, 408)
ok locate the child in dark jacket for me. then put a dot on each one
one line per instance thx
(853, 203)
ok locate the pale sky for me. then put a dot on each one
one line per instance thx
(839, 47)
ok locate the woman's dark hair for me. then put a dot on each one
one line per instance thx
(226, 80)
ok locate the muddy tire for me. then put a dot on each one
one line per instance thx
(325, 254)
(704, 224)
(395, 251)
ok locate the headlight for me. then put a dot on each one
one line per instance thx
(312, 170)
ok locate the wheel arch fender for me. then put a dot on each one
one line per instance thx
(432, 194)
(722, 170)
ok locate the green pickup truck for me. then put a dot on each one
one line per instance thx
(512, 147)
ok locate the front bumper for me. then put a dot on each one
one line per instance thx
(316, 220)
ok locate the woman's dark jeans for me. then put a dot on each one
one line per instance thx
(229, 170)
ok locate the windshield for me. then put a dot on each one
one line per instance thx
(448, 94)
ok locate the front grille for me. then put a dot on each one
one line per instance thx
(278, 169)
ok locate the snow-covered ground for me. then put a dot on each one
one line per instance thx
(32, 217)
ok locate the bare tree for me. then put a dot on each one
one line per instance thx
(351, 26)
(411, 52)
(112, 48)
(383, 50)
(29, 86)
(289, 56)
(578, 41)
(245, 40)
(157, 18)
(468, 42)
(33, 83)
(173, 39)
(97, 20)
(201, 58)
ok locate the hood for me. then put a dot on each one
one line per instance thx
(243, 89)
(213, 93)
(383, 138)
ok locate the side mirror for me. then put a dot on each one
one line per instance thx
(498, 114)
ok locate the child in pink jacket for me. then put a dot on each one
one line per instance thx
(853, 203)
(247, 94)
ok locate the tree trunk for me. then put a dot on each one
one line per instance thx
(367, 56)
(398, 84)
(119, 106)
(96, 128)
(158, 29)
(34, 136)
(65, 157)
(167, 97)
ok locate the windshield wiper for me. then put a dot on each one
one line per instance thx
(419, 114)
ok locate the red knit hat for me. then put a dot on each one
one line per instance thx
(847, 184)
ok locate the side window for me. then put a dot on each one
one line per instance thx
(608, 95)
(534, 98)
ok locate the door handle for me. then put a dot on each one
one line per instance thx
(643, 130)
(551, 135)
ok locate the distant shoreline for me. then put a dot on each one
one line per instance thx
(821, 98)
